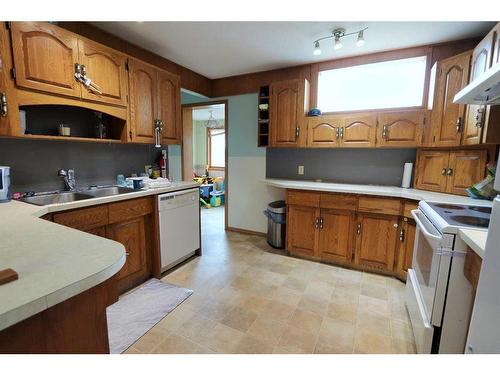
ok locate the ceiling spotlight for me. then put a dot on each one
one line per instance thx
(337, 35)
(337, 44)
(317, 49)
(361, 40)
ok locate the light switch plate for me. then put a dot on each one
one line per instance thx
(300, 170)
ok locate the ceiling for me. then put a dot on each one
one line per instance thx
(222, 49)
(203, 113)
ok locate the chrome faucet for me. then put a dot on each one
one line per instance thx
(69, 179)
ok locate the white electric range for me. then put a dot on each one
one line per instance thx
(438, 296)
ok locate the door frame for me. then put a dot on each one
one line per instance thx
(226, 132)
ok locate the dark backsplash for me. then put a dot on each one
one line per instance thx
(34, 163)
(355, 166)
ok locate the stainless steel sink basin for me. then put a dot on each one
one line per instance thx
(63, 197)
(107, 191)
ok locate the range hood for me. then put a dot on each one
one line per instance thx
(483, 90)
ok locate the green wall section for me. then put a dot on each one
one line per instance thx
(242, 123)
(199, 145)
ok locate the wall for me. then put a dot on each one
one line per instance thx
(247, 195)
(35, 163)
(355, 166)
(199, 146)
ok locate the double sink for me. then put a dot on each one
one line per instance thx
(71, 196)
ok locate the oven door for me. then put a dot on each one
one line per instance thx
(431, 267)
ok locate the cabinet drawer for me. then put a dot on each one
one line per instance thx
(84, 218)
(129, 209)
(408, 207)
(379, 205)
(303, 198)
(338, 201)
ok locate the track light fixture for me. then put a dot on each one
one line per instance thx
(337, 34)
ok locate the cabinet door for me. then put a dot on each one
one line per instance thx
(359, 131)
(336, 235)
(287, 111)
(131, 234)
(169, 106)
(496, 45)
(431, 168)
(465, 169)
(448, 117)
(99, 231)
(323, 132)
(400, 129)
(8, 121)
(405, 251)
(107, 69)
(376, 241)
(302, 230)
(45, 57)
(143, 101)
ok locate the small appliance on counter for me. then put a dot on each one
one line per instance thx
(4, 184)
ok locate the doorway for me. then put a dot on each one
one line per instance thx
(204, 159)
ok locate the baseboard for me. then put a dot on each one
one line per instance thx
(246, 231)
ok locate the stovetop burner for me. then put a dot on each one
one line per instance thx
(463, 215)
(471, 220)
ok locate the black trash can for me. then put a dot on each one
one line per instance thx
(276, 224)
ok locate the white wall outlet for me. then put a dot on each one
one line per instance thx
(300, 170)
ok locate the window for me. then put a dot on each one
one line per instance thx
(388, 84)
(216, 139)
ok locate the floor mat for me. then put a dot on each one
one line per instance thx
(137, 312)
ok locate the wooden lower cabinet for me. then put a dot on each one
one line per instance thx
(333, 228)
(405, 249)
(132, 235)
(129, 222)
(302, 230)
(376, 241)
(336, 235)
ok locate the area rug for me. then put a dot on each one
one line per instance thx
(137, 312)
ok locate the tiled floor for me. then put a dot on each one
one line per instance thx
(249, 300)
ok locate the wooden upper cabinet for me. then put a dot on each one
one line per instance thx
(45, 57)
(143, 104)
(465, 168)
(169, 106)
(407, 231)
(323, 131)
(431, 170)
(478, 117)
(336, 235)
(288, 106)
(107, 69)
(302, 230)
(359, 131)
(400, 129)
(448, 117)
(376, 241)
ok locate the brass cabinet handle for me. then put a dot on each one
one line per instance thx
(297, 132)
(384, 131)
(449, 172)
(3, 105)
(321, 222)
(479, 118)
(337, 132)
(358, 229)
(459, 123)
(443, 171)
(341, 133)
(402, 235)
(316, 223)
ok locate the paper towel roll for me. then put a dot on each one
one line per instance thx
(407, 175)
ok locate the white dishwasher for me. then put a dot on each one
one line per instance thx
(179, 220)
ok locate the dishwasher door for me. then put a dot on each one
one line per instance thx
(179, 221)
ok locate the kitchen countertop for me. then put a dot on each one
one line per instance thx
(389, 191)
(475, 239)
(55, 262)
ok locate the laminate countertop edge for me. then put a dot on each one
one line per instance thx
(378, 190)
(475, 239)
(55, 262)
